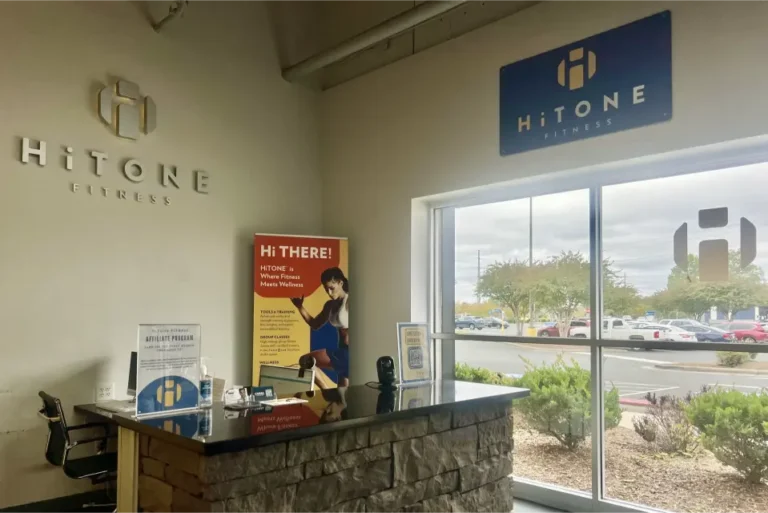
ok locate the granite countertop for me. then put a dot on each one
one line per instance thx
(217, 430)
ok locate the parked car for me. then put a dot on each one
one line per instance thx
(469, 322)
(493, 322)
(667, 333)
(678, 334)
(619, 329)
(709, 333)
(747, 331)
(681, 322)
(554, 331)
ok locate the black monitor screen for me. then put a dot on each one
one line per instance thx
(132, 375)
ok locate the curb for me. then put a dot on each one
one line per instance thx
(723, 370)
(548, 346)
(634, 402)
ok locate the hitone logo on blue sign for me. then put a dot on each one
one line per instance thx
(613, 81)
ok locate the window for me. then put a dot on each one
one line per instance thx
(672, 255)
(526, 261)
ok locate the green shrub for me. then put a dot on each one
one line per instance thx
(753, 356)
(734, 427)
(560, 403)
(731, 358)
(666, 425)
(464, 372)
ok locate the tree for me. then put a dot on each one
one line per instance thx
(619, 299)
(730, 296)
(478, 309)
(679, 277)
(508, 284)
(681, 300)
(750, 274)
(563, 287)
(687, 293)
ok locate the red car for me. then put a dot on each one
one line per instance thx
(552, 331)
(747, 331)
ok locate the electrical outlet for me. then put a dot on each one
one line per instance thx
(105, 392)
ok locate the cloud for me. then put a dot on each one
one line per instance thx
(639, 220)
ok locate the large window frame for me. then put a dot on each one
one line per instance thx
(441, 272)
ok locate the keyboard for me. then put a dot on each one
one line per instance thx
(117, 406)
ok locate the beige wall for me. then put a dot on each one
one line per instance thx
(78, 273)
(429, 124)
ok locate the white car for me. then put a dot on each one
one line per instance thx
(669, 332)
(678, 334)
(619, 329)
(681, 322)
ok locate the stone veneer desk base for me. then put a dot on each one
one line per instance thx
(455, 459)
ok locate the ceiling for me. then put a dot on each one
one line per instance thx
(303, 29)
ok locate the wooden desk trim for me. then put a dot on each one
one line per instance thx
(127, 470)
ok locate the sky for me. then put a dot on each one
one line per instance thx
(639, 220)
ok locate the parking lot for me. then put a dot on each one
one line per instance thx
(634, 374)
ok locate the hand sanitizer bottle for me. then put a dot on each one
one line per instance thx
(204, 423)
(206, 385)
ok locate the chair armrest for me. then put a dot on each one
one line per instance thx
(102, 439)
(91, 425)
(42, 415)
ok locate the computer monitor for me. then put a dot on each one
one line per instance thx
(286, 381)
(132, 375)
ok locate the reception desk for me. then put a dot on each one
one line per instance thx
(442, 446)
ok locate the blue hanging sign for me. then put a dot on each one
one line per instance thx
(613, 81)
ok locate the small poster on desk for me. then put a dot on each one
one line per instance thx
(413, 352)
(168, 369)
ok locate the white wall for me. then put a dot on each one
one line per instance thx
(429, 124)
(78, 273)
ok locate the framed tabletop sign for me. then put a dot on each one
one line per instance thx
(413, 352)
(168, 370)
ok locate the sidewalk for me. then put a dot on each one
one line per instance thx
(626, 419)
(749, 368)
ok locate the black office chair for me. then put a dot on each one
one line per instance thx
(100, 468)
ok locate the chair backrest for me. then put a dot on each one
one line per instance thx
(57, 445)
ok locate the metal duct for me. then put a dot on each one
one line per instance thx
(386, 30)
